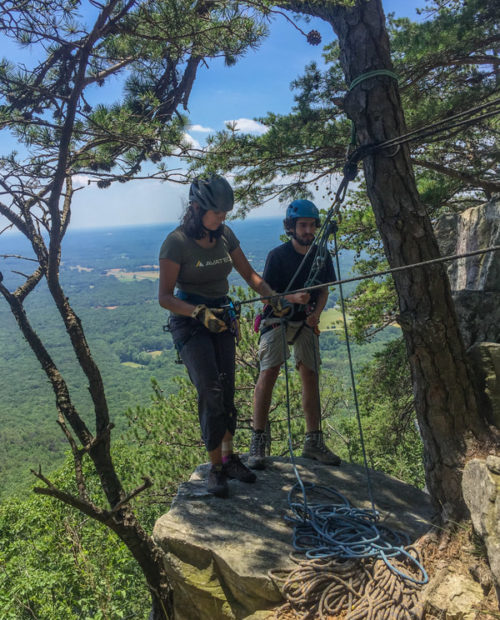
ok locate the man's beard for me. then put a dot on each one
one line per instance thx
(302, 242)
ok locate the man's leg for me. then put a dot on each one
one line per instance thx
(307, 358)
(310, 397)
(261, 403)
(262, 397)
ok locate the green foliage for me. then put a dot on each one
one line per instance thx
(392, 440)
(130, 332)
(57, 564)
(153, 48)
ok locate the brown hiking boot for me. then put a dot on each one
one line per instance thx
(257, 457)
(314, 448)
(217, 481)
(234, 468)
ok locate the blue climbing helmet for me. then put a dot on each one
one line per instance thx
(302, 208)
(212, 193)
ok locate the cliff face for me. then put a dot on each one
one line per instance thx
(475, 281)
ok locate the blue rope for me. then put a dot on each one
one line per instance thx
(339, 530)
(351, 370)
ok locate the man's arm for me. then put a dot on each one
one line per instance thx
(313, 319)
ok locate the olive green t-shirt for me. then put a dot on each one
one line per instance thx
(202, 271)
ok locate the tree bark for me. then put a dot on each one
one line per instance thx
(450, 422)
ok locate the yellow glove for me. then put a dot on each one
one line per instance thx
(280, 305)
(207, 316)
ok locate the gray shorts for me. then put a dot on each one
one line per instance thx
(303, 339)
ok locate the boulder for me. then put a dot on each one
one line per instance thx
(452, 595)
(481, 489)
(219, 551)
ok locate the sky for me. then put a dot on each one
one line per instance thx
(257, 84)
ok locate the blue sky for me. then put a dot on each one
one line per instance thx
(257, 84)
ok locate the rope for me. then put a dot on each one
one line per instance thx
(351, 589)
(337, 529)
(371, 74)
(351, 371)
(377, 274)
(361, 78)
(444, 125)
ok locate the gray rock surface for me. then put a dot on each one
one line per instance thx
(475, 281)
(485, 362)
(473, 229)
(481, 488)
(220, 552)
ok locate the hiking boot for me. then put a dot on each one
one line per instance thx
(257, 457)
(314, 448)
(217, 481)
(234, 468)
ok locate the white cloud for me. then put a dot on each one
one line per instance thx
(81, 180)
(247, 125)
(200, 128)
(191, 142)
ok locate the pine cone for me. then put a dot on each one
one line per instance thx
(313, 37)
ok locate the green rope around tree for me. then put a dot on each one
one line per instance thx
(370, 74)
(362, 78)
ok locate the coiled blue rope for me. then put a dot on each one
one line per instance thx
(338, 529)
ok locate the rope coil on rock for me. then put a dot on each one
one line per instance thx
(354, 589)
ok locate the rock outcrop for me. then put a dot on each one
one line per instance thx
(484, 358)
(475, 281)
(481, 488)
(452, 595)
(220, 552)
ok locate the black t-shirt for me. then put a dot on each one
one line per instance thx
(281, 266)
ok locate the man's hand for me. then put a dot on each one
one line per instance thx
(313, 319)
(207, 316)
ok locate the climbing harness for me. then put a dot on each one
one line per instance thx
(230, 316)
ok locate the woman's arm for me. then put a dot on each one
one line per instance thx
(259, 285)
(247, 272)
(169, 272)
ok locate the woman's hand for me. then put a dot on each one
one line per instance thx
(207, 316)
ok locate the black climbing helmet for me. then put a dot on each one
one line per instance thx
(212, 193)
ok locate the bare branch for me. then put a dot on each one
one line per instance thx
(147, 484)
(52, 491)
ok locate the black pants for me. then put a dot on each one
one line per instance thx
(209, 359)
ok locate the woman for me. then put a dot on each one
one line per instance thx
(197, 257)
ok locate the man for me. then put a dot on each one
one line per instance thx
(280, 272)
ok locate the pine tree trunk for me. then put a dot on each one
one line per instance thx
(445, 401)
